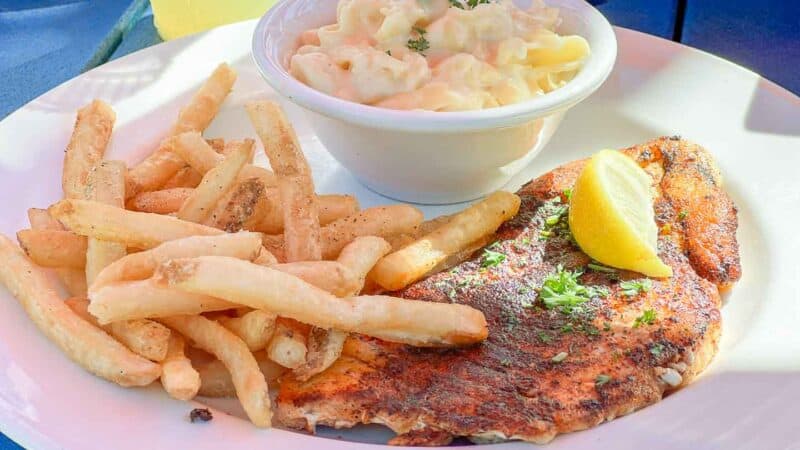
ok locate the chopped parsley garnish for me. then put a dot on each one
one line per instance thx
(544, 337)
(602, 379)
(562, 290)
(682, 215)
(471, 3)
(634, 287)
(420, 44)
(559, 357)
(601, 268)
(656, 349)
(492, 258)
(568, 194)
(556, 221)
(647, 318)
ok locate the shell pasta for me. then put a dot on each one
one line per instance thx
(439, 55)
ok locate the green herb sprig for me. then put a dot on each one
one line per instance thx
(420, 44)
(634, 287)
(562, 290)
(648, 317)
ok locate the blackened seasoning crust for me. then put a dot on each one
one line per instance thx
(510, 386)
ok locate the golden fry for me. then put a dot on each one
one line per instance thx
(144, 337)
(295, 184)
(135, 229)
(138, 266)
(216, 182)
(40, 219)
(195, 151)
(381, 221)
(331, 208)
(216, 380)
(288, 344)
(403, 267)
(85, 344)
(154, 172)
(255, 328)
(179, 378)
(157, 168)
(105, 184)
(360, 256)
(330, 276)
(129, 300)
(389, 318)
(74, 280)
(165, 201)
(86, 146)
(186, 177)
(251, 387)
(205, 104)
(49, 248)
(237, 208)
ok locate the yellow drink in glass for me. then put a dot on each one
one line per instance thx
(176, 18)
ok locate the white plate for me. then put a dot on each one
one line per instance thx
(746, 399)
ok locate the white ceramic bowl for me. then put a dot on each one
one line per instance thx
(426, 156)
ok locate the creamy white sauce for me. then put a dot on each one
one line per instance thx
(429, 54)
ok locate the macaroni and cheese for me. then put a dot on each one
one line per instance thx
(439, 55)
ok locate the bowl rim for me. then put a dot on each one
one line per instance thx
(593, 74)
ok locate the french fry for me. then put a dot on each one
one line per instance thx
(135, 229)
(265, 258)
(360, 256)
(85, 344)
(50, 248)
(86, 146)
(154, 171)
(157, 168)
(324, 348)
(216, 182)
(216, 380)
(331, 208)
(195, 151)
(130, 300)
(218, 144)
(380, 221)
(40, 219)
(116, 297)
(389, 318)
(74, 280)
(255, 328)
(122, 292)
(105, 184)
(144, 337)
(138, 266)
(179, 378)
(251, 387)
(403, 267)
(288, 344)
(295, 184)
(165, 201)
(329, 276)
(237, 209)
(201, 110)
(186, 177)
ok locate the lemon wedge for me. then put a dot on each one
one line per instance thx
(611, 215)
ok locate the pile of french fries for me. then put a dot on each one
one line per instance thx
(197, 248)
